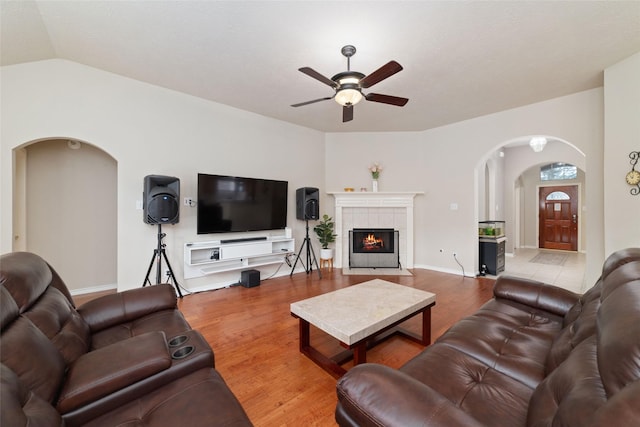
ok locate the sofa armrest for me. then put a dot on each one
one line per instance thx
(377, 395)
(104, 371)
(535, 294)
(114, 309)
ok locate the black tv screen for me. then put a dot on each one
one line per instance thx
(229, 204)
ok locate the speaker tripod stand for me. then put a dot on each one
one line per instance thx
(310, 256)
(158, 254)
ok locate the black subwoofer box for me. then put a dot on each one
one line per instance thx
(250, 278)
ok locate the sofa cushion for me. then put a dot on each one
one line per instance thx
(572, 393)
(619, 329)
(171, 322)
(579, 324)
(33, 358)
(25, 276)
(507, 337)
(29, 281)
(200, 399)
(20, 406)
(378, 395)
(470, 385)
(58, 320)
(105, 371)
(120, 316)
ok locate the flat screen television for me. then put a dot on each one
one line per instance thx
(228, 204)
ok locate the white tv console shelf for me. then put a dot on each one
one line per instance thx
(203, 258)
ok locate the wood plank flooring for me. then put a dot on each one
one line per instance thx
(255, 339)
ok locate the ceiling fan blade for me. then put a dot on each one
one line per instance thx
(386, 99)
(300, 104)
(347, 114)
(316, 75)
(387, 70)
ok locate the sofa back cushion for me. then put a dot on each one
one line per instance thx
(579, 324)
(34, 359)
(20, 406)
(42, 333)
(580, 320)
(599, 370)
(41, 296)
(619, 329)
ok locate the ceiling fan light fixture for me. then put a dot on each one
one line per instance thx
(348, 96)
(537, 143)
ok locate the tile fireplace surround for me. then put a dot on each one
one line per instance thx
(374, 210)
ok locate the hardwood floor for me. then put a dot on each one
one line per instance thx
(255, 339)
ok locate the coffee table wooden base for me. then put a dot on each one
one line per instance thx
(358, 351)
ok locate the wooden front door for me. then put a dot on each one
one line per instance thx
(558, 217)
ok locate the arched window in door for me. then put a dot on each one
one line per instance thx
(558, 195)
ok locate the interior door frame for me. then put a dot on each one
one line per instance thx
(579, 208)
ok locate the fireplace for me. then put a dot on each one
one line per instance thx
(374, 248)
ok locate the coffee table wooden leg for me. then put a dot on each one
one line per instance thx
(426, 326)
(305, 340)
(360, 353)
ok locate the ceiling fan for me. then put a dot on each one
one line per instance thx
(349, 84)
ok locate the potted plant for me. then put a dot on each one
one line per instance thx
(324, 231)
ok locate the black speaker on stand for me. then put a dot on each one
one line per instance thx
(307, 207)
(307, 203)
(161, 199)
(160, 202)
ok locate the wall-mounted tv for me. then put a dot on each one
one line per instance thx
(228, 204)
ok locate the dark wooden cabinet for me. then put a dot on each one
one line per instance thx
(492, 255)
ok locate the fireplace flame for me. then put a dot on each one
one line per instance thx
(372, 242)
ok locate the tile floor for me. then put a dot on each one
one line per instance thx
(569, 276)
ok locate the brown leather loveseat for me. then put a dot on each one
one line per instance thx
(128, 358)
(535, 355)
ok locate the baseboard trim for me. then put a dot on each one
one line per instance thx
(93, 289)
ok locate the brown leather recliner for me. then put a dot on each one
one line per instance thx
(127, 358)
(535, 355)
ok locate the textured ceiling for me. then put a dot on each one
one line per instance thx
(461, 59)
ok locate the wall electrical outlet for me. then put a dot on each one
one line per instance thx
(188, 201)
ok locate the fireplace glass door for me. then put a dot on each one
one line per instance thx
(373, 248)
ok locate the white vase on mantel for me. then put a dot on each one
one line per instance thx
(375, 186)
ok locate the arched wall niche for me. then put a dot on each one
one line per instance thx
(65, 209)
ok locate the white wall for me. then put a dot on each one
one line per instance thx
(149, 130)
(622, 136)
(445, 163)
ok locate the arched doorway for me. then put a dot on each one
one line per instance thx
(516, 181)
(65, 200)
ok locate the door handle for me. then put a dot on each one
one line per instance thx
(575, 218)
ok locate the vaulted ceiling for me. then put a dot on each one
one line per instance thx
(461, 59)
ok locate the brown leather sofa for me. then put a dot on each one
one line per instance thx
(535, 355)
(128, 358)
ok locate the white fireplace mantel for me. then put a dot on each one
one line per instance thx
(377, 199)
(364, 199)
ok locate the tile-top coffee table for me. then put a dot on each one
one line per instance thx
(360, 316)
